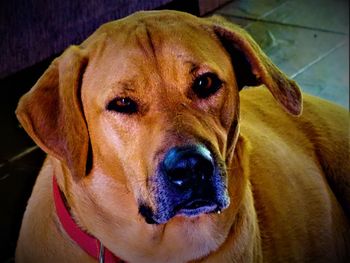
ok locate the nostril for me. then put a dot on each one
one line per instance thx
(204, 168)
(188, 166)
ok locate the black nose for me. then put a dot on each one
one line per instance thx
(189, 167)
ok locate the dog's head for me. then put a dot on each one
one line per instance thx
(145, 116)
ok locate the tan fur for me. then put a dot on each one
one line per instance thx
(288, 176)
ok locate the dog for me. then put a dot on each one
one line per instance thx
(156, 153)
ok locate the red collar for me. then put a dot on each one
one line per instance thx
(88, 243)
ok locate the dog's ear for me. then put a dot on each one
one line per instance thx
(252, 66)
(51, 112)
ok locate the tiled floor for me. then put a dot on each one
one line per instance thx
(309, 40)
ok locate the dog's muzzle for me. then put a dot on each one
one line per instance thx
(189, 182)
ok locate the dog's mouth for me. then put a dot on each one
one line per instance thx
(197, 207)
(190, 209)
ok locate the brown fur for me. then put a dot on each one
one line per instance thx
(288, 176)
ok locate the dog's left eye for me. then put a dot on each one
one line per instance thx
(206, 85)
(123, 105)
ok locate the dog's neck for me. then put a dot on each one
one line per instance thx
(88, 243)
(244, 240)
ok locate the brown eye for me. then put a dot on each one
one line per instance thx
(206, 85)
(123, 105)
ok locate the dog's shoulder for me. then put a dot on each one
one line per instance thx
(320, 118)
(317, 142)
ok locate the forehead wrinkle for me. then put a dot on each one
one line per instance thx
(149, 46)
(144, 40)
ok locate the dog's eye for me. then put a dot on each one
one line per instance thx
(206, 85)
(123, 105)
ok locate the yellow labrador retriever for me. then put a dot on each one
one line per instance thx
(155, 154)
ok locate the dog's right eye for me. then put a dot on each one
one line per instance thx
(206, 85)
(123, 105)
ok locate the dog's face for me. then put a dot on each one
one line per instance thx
(151, 101)
(158, 115)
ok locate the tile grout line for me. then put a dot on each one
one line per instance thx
(339, 45)
(261, 17)
(19, 156)
(284, 24)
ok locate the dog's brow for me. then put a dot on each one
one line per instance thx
(193, 66)
(125, 86)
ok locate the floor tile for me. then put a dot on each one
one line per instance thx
(16, 182)
(329, 77)
(19, 161)
(326, 15)
(292, 48)
(243, 22)
(13, 139)
(308, 40)
(250, 8)
(11, 135)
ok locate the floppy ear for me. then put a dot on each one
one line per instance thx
(252, 66)
(51, 112)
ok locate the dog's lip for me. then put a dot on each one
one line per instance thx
(189, 209)
(197, 207)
